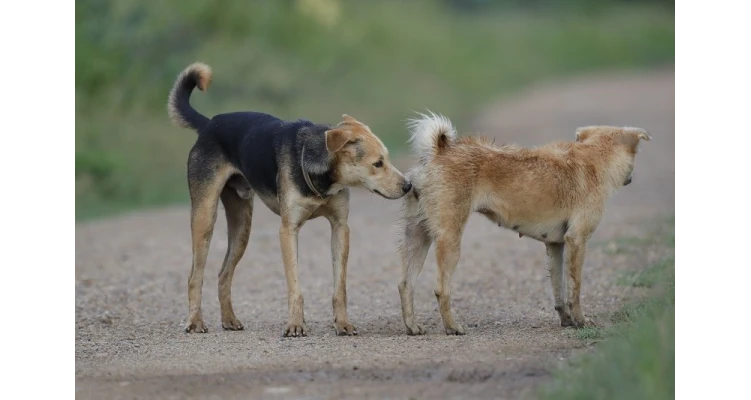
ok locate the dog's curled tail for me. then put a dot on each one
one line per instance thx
(179, 109)
(429, 134)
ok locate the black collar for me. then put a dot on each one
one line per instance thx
(306, 176)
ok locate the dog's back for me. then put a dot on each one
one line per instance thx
(553, 179)
(515, 187)
(252, 142)
(249, 141)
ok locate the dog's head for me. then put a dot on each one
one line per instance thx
(625, 140)
(361, 159)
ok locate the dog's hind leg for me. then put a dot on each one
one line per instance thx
(558, 281)
(414, 249)
(206, 178)
(452, 218)
(239, 212)
(448, 248)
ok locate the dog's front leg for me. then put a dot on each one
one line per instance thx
(339, 256)
(558, 282)
(288, 239)
(337, 212)
(576, 245)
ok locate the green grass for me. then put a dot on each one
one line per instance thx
(636, 359)
(377, 61)
(661, 235)
(649, 276)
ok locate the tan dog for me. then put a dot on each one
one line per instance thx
(299, 170)
(555, 194)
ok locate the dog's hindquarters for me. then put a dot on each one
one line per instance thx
(208, 175)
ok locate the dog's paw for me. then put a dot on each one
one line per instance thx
(566, 321)
(582, 322)
(232, 324)
(295, 330)
(345, 328)
(455, 330)
(564, 314)
(196, 327)
(415, 330)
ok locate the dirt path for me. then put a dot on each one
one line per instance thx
(132, 271)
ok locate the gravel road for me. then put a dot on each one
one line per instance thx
(132, 272)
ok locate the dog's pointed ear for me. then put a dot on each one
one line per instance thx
(336, 139)
(347, 118)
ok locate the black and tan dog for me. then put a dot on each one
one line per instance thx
(299, 169)
(555, 194)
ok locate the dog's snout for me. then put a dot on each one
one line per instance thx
(407, 186)
(628, 180)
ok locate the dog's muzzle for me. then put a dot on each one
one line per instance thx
(407, 187)
(628, 180)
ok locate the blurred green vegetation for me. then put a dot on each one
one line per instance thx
(637, 358)
(317, 59)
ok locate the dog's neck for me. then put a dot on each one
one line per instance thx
(315, 160)
(306, 175)
(616, 168)
(621, 165)
(317, 174)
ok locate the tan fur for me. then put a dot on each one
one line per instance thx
(365, 149)
(555, 194)
(355, 163)
(354, 149)
(204, 199)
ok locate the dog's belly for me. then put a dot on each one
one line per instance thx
(240, 185)
(271, 201)
(548, 232)
(245, 191)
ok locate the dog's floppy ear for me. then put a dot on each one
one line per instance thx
(347, 118)
(582, 133)
(631, 137)
(639, 133)
(336, 139)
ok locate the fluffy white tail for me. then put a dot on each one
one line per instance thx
(429, 134)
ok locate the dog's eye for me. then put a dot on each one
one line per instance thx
(378, 164)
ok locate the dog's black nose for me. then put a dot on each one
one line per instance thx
(407, 187)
